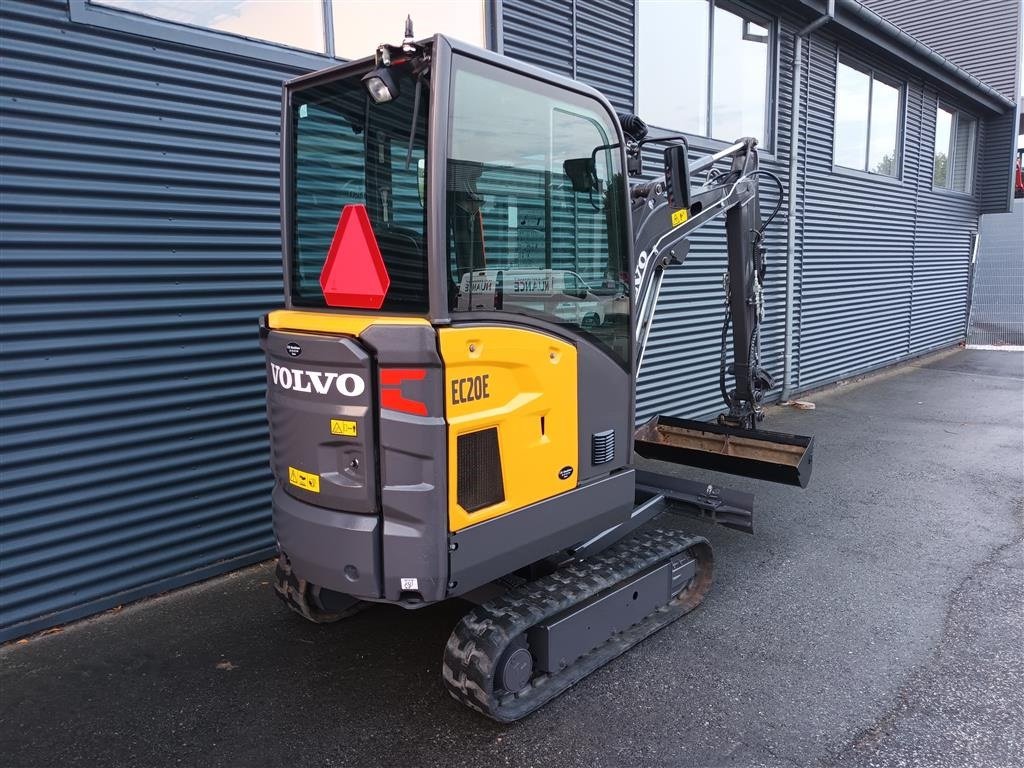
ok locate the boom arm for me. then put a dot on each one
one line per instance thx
(658, 245)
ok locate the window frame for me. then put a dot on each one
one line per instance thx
(441, 144)
(131, 22)
(942, 104)
(705, 141)
(901, 120)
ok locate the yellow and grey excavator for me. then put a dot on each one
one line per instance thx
(472, 261)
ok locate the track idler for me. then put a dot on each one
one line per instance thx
(514, 653)
(305, 599)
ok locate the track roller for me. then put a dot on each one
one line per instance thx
(513, 654)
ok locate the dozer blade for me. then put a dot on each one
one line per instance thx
(772, 456)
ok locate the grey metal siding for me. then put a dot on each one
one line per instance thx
(946, 222)
(540, 32)
(997, 305)
(140, 241)
(885, 263)
(605, 49)
(996, 162)
(857, 258)
(980, 36)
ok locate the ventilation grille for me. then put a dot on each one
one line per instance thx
(602, 447)
(479, 470)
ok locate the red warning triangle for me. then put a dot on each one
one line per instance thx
(354, 274)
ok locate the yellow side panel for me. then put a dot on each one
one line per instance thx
(524, 383)
(330, 322)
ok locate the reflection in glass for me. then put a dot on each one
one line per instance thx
(851, 130)
(740, 77)
(349, 150)
(535, 216)
(963, 153)
(885, 113)
(296, 23)
(359, 25)
(943, 132)
(672, 62)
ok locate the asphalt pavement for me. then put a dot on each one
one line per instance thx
(874, 619)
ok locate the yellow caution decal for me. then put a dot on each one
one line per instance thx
(344, 428)
(304, 480)
(680, 217)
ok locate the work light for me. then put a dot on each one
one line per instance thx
(381, 85)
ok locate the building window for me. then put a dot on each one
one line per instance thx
(704, 68)
(868, 119)
(359, 24)
(955, 134)
(356, 26)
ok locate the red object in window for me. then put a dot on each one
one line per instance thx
(354, 274)
(391, 390)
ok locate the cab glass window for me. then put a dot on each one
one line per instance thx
(535, 205)
(347, 149)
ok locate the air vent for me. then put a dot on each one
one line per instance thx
(479, 470)
(602, 447)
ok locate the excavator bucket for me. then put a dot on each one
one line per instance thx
(771, 456)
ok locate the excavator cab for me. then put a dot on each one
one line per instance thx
(451, 382)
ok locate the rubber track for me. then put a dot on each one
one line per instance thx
(480, 638)
(295, 593)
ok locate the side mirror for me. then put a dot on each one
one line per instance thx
(421, 180)
(677, 177)
(582, 173)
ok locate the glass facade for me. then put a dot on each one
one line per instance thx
(868, 117)
(355, 25)
(704, 67)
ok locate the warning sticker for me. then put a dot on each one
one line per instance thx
(343, 427)
(304, 480)
(680, 217)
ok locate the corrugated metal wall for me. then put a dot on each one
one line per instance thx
(140, 241)
(981, 36)
(996, 162)
(885, 263)
(997, 304)
(882, 266)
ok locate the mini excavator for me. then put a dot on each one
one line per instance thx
(472, 261)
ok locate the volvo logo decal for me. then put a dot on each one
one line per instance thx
(320, 382)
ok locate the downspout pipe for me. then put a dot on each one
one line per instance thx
(794, 134)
